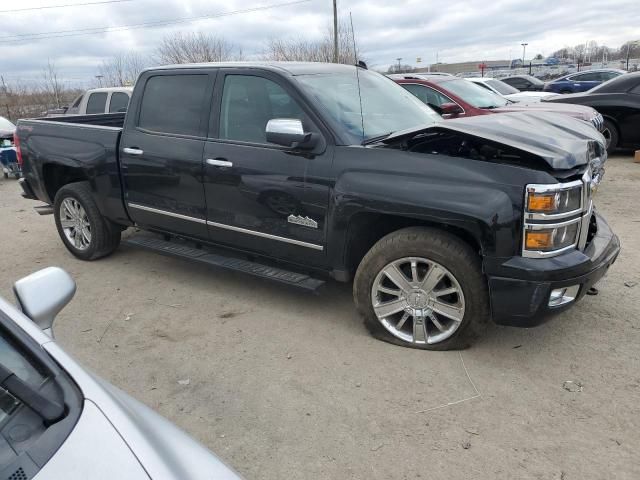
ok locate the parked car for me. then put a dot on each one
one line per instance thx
(60, 421)
(581, 81)
(453, 97)
(96, 101)
(8, 157)
(507, 91)
(524, 83)
(441, 225)
(618, 100)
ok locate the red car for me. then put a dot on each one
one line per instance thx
(455, 97)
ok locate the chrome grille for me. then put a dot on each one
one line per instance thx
(598, 122)
(587, 208)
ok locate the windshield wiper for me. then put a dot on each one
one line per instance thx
(49, 410)
(376, 139)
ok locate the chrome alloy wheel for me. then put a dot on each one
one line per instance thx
(75, 223)
(606, 133)
(418, 300)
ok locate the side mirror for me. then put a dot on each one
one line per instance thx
(289, 132)
(451, 109)
(43, 294)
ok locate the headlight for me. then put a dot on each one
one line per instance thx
(552, 215)
(554, 202)
(548, 239)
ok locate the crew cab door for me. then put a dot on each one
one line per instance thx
(161, 151)
(259, 195)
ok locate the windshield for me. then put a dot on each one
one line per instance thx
(474, 95)
(532, 79)
(613, 85)
(6, 124)
(501, 87)
(386, 106)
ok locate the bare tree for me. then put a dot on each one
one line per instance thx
(321, 50)
(122, 69)
(53, 87)
(579, 53)
(193, 48)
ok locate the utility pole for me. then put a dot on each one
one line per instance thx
(524, 49)
(335, 31)
(99, 77)
(399, 60)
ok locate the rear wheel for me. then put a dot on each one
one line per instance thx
(565, 91)
(422, 288)
(610, 133)
(83, 230)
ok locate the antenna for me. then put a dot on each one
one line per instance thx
(355, 57)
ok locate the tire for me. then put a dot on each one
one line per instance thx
(565, 91)
(104, 236)
(610, 132)
(5, 174)
(446, 253)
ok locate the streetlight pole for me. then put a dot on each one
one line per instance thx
(335, 32)
(524, 49)
(399, 60)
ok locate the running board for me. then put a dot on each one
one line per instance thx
(197, 255)
(44, 209)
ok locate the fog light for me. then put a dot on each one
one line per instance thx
(562, 296)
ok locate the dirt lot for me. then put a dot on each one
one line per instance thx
(286, 385)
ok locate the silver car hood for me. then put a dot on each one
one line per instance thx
(164, 451)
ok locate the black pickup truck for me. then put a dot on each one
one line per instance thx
(299, 172)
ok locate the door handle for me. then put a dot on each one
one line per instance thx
(219, 162)
(132, 151)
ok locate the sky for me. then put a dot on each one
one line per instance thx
(452, 31)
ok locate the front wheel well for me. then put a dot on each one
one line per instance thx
(366, 229)
(57, 176)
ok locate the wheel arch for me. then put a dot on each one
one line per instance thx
(365, 229)
(56, 176)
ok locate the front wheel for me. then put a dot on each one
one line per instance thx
(422, 288)
(610, 134)
(83, 230)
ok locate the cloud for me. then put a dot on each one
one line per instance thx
(459, 30)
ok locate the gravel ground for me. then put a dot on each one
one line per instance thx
(287, 385)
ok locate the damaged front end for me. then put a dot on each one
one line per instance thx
(555, 143)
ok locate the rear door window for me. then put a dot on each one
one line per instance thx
(174, 104)
(97, 102)
(119, 102)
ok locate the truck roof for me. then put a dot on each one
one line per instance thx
(293, 68)
(110, 89)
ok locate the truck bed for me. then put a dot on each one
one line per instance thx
(56, 150)
(102, 120)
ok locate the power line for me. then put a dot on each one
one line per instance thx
(92, 31)
(102, 2)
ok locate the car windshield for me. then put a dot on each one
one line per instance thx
(501, 87)
(386, 106)
(614, 85)
(6, 124)
(474, 95)
(534, 80)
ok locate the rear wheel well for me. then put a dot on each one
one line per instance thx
(365, 229)
(57, 176)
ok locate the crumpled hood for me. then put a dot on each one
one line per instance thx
(561, 141)
(581, 112)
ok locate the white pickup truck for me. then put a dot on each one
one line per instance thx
(98, 100)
